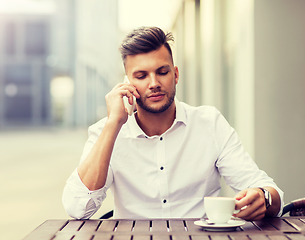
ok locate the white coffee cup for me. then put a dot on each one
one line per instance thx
(219, 209)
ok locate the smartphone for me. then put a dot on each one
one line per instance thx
(130, 108)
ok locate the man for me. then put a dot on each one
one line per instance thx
(163, 160)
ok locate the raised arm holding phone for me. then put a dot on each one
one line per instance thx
(161, 161)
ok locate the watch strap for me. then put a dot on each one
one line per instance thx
(267, 196)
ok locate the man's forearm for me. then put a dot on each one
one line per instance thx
(93, 170)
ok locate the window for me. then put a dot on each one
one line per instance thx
(18, 108)
(10, 38)
(18, 73)
(35, 39)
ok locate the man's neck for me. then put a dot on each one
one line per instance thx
(156, 123)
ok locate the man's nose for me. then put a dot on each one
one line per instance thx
(154, 82)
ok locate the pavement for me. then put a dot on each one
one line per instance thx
(35, 164)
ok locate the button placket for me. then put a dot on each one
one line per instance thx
(161, 161)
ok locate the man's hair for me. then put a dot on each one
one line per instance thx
(145, 40)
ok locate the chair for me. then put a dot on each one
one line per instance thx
(295, 208)
(107, 215)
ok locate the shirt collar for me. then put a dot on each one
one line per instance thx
(136, 131)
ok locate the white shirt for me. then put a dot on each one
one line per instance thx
(168, 176)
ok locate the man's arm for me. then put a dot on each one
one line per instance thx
(93, 170)
(253, 202)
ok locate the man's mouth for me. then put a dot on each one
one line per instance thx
(156, 96)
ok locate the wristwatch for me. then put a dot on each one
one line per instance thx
(268, 200)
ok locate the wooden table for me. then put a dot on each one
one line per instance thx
(173, 229)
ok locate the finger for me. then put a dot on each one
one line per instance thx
(254, 216)
(251, 196)
(244, 202)
(136, 93)
(131, 88)
(240, 195)
(253, 210)
(128, 95)
(131, 99)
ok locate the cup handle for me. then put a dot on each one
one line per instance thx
(238, 210)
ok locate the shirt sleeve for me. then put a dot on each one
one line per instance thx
(78, 201)
(235, 164)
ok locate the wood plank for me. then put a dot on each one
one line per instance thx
(142, 226)
(140, 237)
(239, 237)
(264, 225)
(159, 225)
(73, 225)
(121, 237)
(296, 223)
(295, 236)
(107, 226)
(176, 226)
(180, 237)
(86, 236)
(219, 237)
(281, 225)
(125, 226)
(249, 227)
(258, 237)
(278, 237)
(102, 237)
(90, 226)
(200, 237)
(64, 236)
(82, 236)
(46, 230)
(160, 237)
(191, 226)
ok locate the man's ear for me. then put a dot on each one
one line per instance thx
(176, 74)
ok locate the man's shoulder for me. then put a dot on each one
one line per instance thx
(203, 110)
(99, 125)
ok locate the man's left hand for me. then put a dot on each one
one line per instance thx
(251, 203)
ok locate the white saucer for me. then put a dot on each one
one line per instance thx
(231, 225)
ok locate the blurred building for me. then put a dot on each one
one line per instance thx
(58, 59)
(24, 73)
(98, 67)
(36, 45)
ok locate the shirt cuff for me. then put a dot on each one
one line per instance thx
(78, 200)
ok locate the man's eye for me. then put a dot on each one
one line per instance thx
(141, 76)
(163, 73)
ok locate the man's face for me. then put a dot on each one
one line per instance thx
(155, 78)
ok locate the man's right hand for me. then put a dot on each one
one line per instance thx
(114, 100)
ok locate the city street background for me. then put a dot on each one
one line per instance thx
(59, 58)
(35, 164)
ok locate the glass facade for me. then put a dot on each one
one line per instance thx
(35, 39)
(10, 38)
(24, 77)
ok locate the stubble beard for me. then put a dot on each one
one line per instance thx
(163, 108)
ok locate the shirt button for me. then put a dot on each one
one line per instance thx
(164, 201)
(161, 168)
(161, 138)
